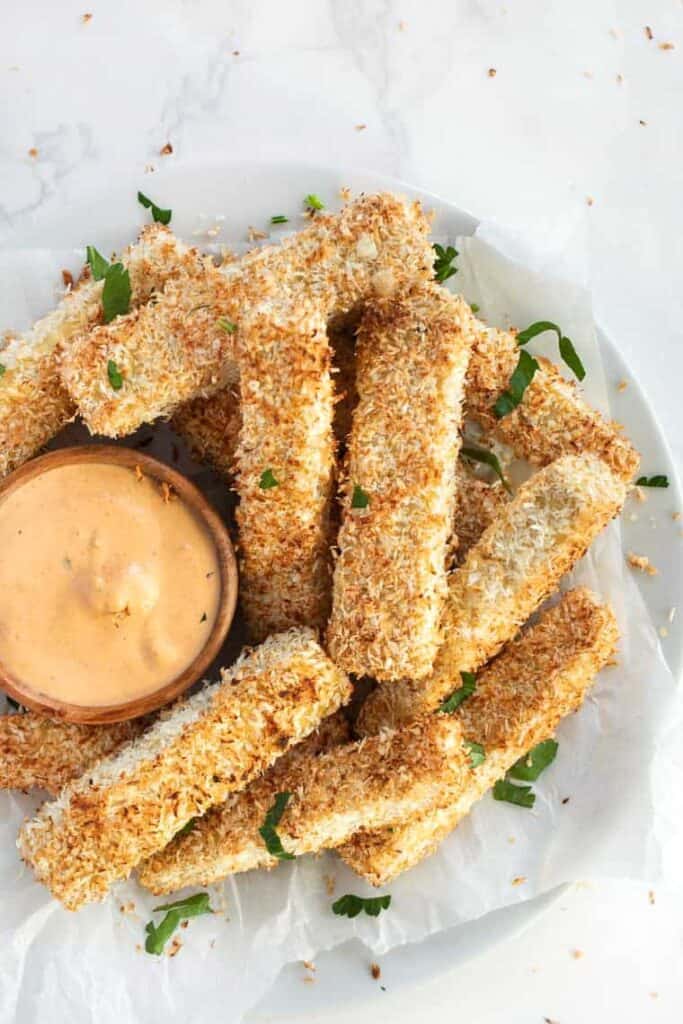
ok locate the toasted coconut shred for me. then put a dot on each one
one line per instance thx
(132, 804)
(411, 356)
(387, 778)
(518, 561)
(34, 404)
(519, 701)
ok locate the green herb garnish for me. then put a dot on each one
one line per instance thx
(476, 752)
(351, 906)
(529, 767)
(653, 481)
(489, 459)
(314, 202)
(519, 795)
(114, 374)
(469, 681)
(227, 325)
(279, 218)
(97, 263)
(443, 264)
(116, 292)
(181, 910)
(159, 215)
(359, 498)
(271, 821)
(567, 350)
(268, 480)
(520, 380)
(475, 307)
(187, 828)
(2, 369)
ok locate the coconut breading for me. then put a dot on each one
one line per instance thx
(285, 463)
(477, 503)
(34, 405)
(552, 418)
(373, 782)
(131, 804)
(46, 753)
(411, 358)
(210, 427)
(518, 561)
(178, 349)
(518, 702)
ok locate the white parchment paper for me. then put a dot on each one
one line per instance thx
(615, 765)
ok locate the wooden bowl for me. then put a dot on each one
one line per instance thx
(21, 690)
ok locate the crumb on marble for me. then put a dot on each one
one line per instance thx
(492, 72)
(375, 971)
(330, 884)
(676, 516)
(577, 954)
(253, 234)
(345, 193)
(361, 127)
(519, 880)
(667, 46)
(622, 385)
(672, 613)
(620, 79)
(651, 897)
(176, 946)
(86, 18)
(589, 200)
(663, 632)
(649, 34)
(67, 279)
(402, 26)
(641, 122)
(309, 965)
(166, 150)
(641, 562)
(33, 153)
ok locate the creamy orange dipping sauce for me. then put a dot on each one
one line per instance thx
(108, 589)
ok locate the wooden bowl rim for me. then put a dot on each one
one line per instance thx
(227, 565)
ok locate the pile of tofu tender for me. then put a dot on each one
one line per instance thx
(328, 378)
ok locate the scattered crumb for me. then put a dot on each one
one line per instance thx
(648, 32)
(511, 840)
(345, 193)
(361, 127)
(622, 385)
(642, 122)
(654, 995)
(651, 897)
(127, 908)
(235, 53)
(67, 279)
(330, 883)
(138, 947)
(309, 979)
(667, 46)
(184, 924)
(166, 150)
(675, 516)
(85, 18)
(620, 79)
(150, 168)
(641, 562)
(139, 475)
(375, 971)
(577, 954)
(550, 1020)
(492, 72)
(309, 965)
(640, 493)
(589, 200)
(402, 26)
(565, 799)
(215, 231)
(672, 614)
(176, 946)
(33, 153)
(519, 880)
(254, 235)
(663, 632)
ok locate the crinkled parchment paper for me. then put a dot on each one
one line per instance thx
(91, 966)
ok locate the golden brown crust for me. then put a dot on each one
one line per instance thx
(374, 782)
(210, 427)
(518, 702)
(177, 350)
(411, 358)
(46, 754)
(518, 561)
(132, 804)
(477, 504)
(551, 420)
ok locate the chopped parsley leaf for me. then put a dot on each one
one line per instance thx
(351, 906)
(469, 681)
(2, 369)
(529, 767)
(114, 374)
(314, 202)
(443, 263)
(476, 752)
(359, 498)
(520, 380)
(567, 350)
(489, 459)
(267, 829)
(279, 218)
(227, 325)
(187, 828)
(659, 480)
(519, 795)
(181, 910)
(475, 307)
(268, 480)
(159, 215)
(116, 292)
(97, 263)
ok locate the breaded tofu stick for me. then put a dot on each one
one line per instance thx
(34, 405)
(178, 350)
(477, 504)
(518, 561)
(399, 496)
(518, 702)
(285, 465)
(132, 804)
(551, 420)
(211, 426)
(46, 753)
(380, 780)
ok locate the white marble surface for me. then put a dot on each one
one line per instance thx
(580, 125)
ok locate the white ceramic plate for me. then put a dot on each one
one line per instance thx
(234, 196)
